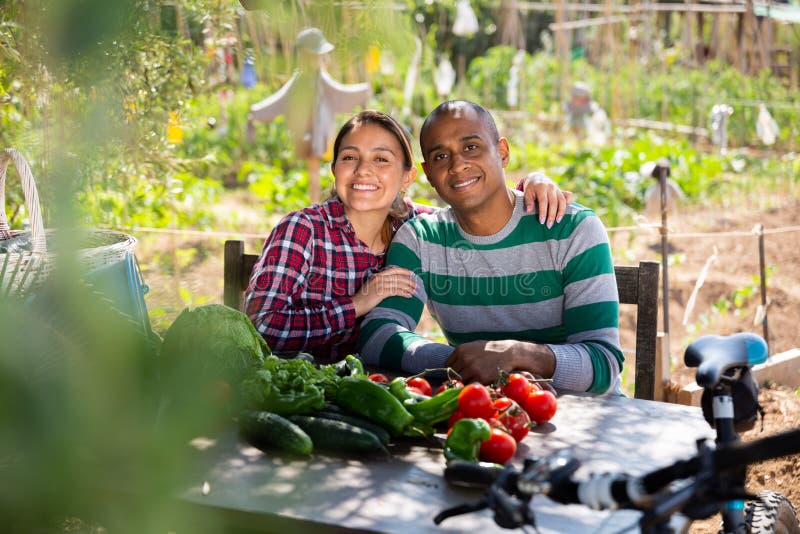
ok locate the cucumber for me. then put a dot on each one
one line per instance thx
(338, 436)
(265, 430)
(343, 416)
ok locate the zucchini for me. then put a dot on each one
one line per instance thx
(265, 430)
(341, 415)
(338, 436)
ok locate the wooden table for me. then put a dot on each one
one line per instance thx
(249, 490)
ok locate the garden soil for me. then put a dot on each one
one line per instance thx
(727, 302)
(735, 271)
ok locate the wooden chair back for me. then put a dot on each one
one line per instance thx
(639, 286)
(237, 267)
(636, 285)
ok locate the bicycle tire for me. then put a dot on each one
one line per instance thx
(771, 513)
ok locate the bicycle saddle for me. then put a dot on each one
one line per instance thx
(714, 355)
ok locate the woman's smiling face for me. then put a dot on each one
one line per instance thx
(370, 169)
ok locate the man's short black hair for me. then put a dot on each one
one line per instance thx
(452, 106)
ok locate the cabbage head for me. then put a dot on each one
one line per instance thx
(212, 342)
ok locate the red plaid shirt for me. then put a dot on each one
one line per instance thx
(300, 292)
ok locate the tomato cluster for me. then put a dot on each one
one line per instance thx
(510, 407)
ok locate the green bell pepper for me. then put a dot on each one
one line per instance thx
(435, 409)
(465, 438)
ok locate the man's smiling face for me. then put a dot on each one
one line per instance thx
(464, 161)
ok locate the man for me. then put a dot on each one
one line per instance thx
(508, 292)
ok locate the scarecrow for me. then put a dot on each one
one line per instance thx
(310, 101)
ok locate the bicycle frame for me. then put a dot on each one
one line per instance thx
(732, 511)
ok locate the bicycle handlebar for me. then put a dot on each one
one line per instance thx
(552, 476)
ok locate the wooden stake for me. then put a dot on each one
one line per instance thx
(663, 364)
(699, 47)
(662, 178)
(713, 45)
(741, 60)
(759, 229)
(562, 52)
(313, 179)
(688, 41)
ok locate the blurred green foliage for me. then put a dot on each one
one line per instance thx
(84, 428)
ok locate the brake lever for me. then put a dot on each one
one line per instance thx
(461, 509)
(510, 490)
(510, 511)
(543, 474)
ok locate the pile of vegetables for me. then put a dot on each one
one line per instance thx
(297, 406)
(293, 405)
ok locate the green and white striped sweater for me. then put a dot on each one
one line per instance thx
(526, 282)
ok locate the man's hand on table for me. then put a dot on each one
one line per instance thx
(481, 360)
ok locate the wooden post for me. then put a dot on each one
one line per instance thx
(232, 274)
(713, 42)
(768, 35)
(638, 24)
(313, 179)
(763, 274)
(699, 47)
(663, 364)
(663, 173)
(741, 60)
(611, 50)
(758, 36)
(688, 42)
(562, 52)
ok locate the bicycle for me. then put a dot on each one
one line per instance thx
(712, 481)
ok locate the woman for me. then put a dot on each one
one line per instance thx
(320, 268)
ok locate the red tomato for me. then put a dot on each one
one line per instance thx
(541, 405)
(476, 401)
(513, 417)
(450, 384)
(421, 384)
(499, 448)
(416, 390)
(517, 387)
(494, 422)
(455, 416)
(501, 403)
(379, 378)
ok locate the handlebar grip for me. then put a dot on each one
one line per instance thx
(471, 475)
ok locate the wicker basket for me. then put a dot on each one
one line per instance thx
(24, 271)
